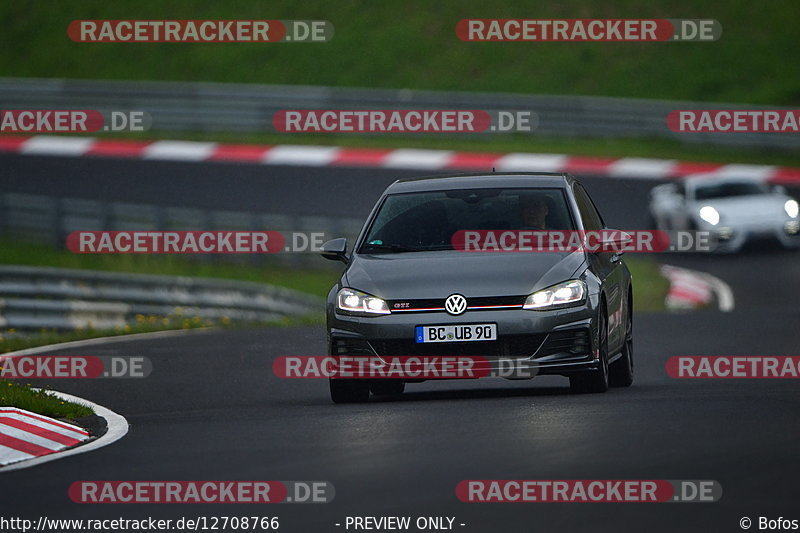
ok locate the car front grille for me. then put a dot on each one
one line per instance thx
(514, 346)
(474, 303)
(573, 341)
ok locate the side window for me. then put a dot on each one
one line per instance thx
(591, 218)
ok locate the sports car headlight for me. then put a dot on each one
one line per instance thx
(791, 208)
(709, 214)
(564, 294)
(351, 301)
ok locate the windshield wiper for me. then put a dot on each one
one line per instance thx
(389, 248)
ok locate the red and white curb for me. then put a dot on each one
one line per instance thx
(25, 435)
(689, 289)
(402, 158)
(116, 428)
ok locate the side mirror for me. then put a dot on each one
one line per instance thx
(614, 241)
(335, 250)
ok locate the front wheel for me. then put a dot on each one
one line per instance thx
(595, 380)
(621, 371)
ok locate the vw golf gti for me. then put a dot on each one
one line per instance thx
(410, 290)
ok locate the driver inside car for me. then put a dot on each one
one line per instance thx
(533, 212)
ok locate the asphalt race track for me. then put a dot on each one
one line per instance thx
(213, 410)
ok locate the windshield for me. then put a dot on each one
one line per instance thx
(727, 190)
(416, 222)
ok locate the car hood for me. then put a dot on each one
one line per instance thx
(747, 208)
(440, 274)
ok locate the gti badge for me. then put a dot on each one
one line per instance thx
(455, 304)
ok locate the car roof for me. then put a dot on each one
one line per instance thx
(518, 180)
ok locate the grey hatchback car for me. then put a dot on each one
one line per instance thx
(408, 290)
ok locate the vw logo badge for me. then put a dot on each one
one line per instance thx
(455, 304)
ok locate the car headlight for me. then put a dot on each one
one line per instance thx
(350, 301)
(791, 208)
(564, 294)
(709, 214)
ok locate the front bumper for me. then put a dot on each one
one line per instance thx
(528, 343)
(732, 237)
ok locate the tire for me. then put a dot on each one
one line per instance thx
(595, 380)
(387, 387)
(620, 373)
(349, 390)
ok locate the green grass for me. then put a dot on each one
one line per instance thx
(39, 401)
(649, 286)
(412, 44)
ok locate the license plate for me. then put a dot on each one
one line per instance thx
(456, 333)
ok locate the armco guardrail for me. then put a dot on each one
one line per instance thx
(215, 107)
(49, 219)
(35, 298)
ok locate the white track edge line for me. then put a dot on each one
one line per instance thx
(106, 340)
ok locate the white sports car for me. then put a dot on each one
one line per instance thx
(733, 210)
